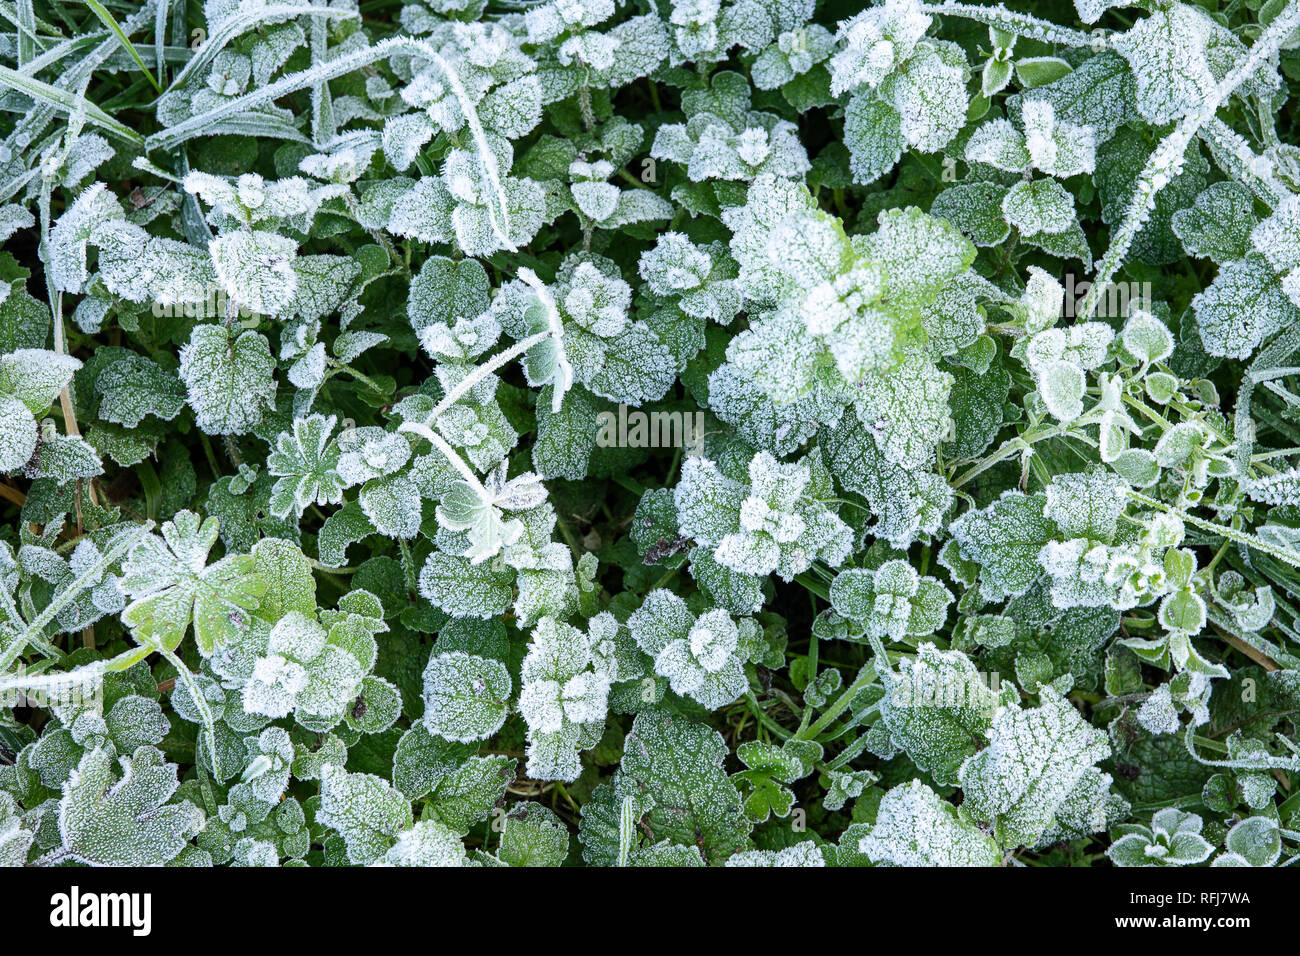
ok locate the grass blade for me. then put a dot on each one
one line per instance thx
(115, 28)
(64, 102)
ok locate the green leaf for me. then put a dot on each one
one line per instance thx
(533, 836)
(1034, 760)
(679, 764)
(938, 709)
(228, 378)
(1004, 540)
(364, 810)
(106, 819)
(35, 376)
(465, 696)
(444, 291)
(1217, 226)
(133, 387)
(171, 584)
(282, 568)
(915, 827)
(1243, 306)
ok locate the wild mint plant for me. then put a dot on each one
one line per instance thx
(713, 432)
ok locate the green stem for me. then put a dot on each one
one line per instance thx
(408, 566)
(361, 377)
(1007, 449)
(866, 677)
(70, 593)
(764, 719)
(200, 702)
(1285, 555)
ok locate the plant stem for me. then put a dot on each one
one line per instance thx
(866, 677)
(481, 372)
(361, 377)
(1166, 159)
(69, 593)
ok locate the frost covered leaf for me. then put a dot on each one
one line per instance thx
(1280, 489)
(920, 255)
(563, 700)
(256, 268)
(1167, 53)
(171, 584)
(1099, 93)
(1146, 338)
(1086, 505)
(565, 438)
(930, 95)
(444, 291)
(938, 710)
(873, 133)
(465, 697)
(12, 218)
(228, 378)
(35, 376)
(364, 810)
(30, 379)
(916, 827)
(1255, 841)
(770, 202)
(126, 819)
(679, 765)
(133, 387)
(533, 836)
(999, 144)
(1218, 225)
(305, 463)
(1275, 237)
(1056, 148)
(1173, 839)
(318, 682)
(918, 85)
(479, 511)
(875, 42)
(1059, 357)
(891, 601)
(64, 459)
(1242, 307)
(905, 503)
(1039, 205)
(1004, 539)
(768, 526)
(285, 574)
(392, 504)
(907, 408)
(428, 843)
(1034, 759)
(801, 854)
(700, 657)
(463, 589)
(15, 839)
(72, 231)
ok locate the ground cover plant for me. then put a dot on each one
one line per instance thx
(651, 433)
